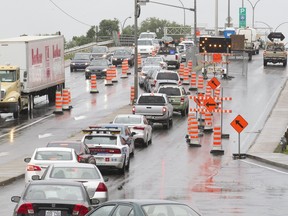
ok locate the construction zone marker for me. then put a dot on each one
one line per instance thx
(193, 134)
(93, 84)
(217, 142)
(58, 103)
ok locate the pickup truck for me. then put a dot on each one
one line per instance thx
(156, 107)
(275, 52)
(171, 56)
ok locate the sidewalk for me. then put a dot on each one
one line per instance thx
(262, 150)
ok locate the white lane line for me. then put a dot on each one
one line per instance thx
(265, 167)
(4, 154)
(41, 136)
(28, 125)
(79, 117)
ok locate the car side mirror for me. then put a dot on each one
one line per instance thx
(106, 179)
(133, 133)
(188, 93)
(15, 199)
(27, 160)
(35, 177)
(94, 201)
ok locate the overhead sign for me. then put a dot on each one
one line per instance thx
(210, 104)
(242, 17)
(276, 35)
(213, 83)
(239, 123)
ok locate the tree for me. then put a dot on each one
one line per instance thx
(91, 33)
(106, 27)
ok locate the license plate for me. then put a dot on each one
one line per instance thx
(52, 213)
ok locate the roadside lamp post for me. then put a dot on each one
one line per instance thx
(253, 10)
(183, 12)
(122, 27)
(279, 26)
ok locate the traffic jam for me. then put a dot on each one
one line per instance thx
(70, 177)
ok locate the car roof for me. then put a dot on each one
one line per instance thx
(152, 94)
(144, 201)
(54, 149)
(51, 182)
(126, 115)
(66, 142)
(73, 165)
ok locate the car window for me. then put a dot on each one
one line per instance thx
(75, 146)
(99, 63)
(74, 173)
(167, 76)
(53, 155)
(156, 100)
(127, 120)
(82, 56)
(103, 210)
(170, 91)
(123, 210)
(99, 49)
(111, 140)
(145, 42)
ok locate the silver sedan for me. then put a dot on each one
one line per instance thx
(137, 124)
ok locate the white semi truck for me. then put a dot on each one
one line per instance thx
(30, 66)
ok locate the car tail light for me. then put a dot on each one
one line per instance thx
(133, 109)
(79, 210)
(25, 209)
(164, 110)
(33, 168)
(139, 128)
(179, 82)
(80, 159)
(101, 187)
(182, 100)
(176, 57)
(113, 151)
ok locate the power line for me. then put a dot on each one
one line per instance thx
(69, 14)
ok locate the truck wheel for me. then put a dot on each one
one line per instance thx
(265, 63)
(52, 95)
(16, 114)
(284, 63)
(167, 124)
(183, 112)
(250, 56)
(170, 122)
(122, 170)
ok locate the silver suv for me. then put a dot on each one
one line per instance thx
(158, 78)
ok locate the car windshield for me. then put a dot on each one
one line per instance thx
(168, 209)
(99, 50)
(82, 56)
(53, 155)
(7, 76)
(127, 120)
(52, 192)
(145, 42)
(167, 51)
(122, 53)
(110, 140)
(153, 100)
(148, 68)
(153, 61)
(74, 173)
(170, 91)
(146, 35)
(75, 146)
(99, 63)
(167, 76)
(275, 47)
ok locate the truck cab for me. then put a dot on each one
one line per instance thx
(10, 90)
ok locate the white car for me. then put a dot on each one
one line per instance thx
(43, 157)
(144, 71)
(88, 174)
(146, 46)
(155, 60)
(137, 124)
(110, 150)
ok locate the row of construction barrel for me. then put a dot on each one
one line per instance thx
(62, 100)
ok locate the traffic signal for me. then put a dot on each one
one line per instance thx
(214, 45)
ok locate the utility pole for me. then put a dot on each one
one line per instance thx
(136, 15)
(216, 18)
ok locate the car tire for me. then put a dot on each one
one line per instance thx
(122, 170)
(92, 161)
(265, 63)
(127, 167)
(183, 113)
(167, 124)
(150, 141)
(170, 122)
(16, 114)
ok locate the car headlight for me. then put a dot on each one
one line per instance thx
(87, 70)
(12, 99)
(72, 63)
(86, 63)
(115, 59)
(104, 56)
(104, 70)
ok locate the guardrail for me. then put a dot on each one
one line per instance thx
(86, 47)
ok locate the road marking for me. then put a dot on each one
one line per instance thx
(79, 117)
(28, 125)
(41, 136)
(265, 167)
(4, 154)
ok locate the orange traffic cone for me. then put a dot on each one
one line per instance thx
(66, 99)
(132, 95)
(109, 76)
(93, 84)
(58, 103)
(217, 144)
(186, 76)
(193, 82)
(193, 133)
(181, 71)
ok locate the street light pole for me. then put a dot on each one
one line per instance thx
(122, 27)
(269, 27)
(183, 12)
(279, 26)
(253, 10)
(136, 14)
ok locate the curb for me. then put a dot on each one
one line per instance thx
(267, 161)
(12, 179)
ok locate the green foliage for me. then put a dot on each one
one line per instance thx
(106, 27)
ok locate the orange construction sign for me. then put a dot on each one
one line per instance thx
(213, 83)
(210, 104)
(217, 57)
(239, 123)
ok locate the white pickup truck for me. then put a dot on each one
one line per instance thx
(156, 107)
(171, 56)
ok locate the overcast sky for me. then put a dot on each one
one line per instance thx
(43, 17)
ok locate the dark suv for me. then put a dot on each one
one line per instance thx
(81, 149)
